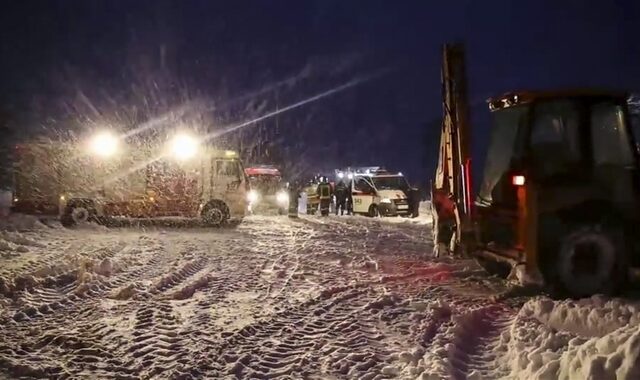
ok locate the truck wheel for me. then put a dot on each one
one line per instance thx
(75, 215)
(373, 211)
(215, 213)
(590, 260)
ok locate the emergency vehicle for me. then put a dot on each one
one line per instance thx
(104, 178)
(377, 192)
(267, 189)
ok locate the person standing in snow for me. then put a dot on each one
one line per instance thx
(341, 197)
(324, 193)
(349, 200)
(294, 194)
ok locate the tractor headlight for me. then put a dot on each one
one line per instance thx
(104, 144)
(184, 146)
(385, 200)
(282, 198)
(252, 196)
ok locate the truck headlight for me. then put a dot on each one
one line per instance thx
(282, 198)
(104, 144)
(385, 200)
(252, 196)
(184, 146)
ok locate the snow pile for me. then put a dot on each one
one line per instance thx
(21, 222)
(423, 218)
(14, 243)
(19, 239)
(592, 338)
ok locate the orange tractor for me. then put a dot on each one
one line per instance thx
(558, 200)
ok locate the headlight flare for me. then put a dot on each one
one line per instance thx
(252, 196)
(184, 146)
(282, 198)
(104, 144)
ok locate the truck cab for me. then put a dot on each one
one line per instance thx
(267, 189)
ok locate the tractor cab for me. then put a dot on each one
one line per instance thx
(559, 190)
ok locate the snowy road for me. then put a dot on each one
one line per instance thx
(332, 298)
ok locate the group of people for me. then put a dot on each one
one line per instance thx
(341, 194)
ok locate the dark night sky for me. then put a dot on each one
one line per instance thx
(74, 64)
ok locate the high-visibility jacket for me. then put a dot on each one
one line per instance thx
(324, 191)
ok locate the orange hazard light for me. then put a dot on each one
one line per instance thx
(518, 180)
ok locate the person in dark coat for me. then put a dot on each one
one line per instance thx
(341, 197)
(294, 194)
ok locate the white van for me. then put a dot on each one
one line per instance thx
(379, 193)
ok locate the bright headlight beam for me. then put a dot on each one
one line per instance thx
(184, 147)
(266, 116)
(104, 144)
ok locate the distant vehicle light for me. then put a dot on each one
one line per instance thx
(400, 173)
(340, 175)
(152, 199)
(62, 198)
(15, 200)
(104, 144)
(252, 196)
(184, 147)
(282, 198)
(518, 180)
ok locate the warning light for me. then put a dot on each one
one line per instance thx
(518, 180)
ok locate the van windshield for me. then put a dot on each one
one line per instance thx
(390, 183)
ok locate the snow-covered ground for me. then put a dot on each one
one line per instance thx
(314, 298)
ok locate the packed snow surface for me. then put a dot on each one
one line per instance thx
(312, 298)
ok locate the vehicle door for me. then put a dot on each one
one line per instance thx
(363, 195)
(228, 182)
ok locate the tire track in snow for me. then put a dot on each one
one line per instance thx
(292, 342)
(86, 313)
(275, 298)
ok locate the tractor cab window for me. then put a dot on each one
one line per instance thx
(555, 141)
(504, 146)
(611, 144)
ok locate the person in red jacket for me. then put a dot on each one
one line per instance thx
(444, 221)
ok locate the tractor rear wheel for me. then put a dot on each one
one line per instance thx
(590, 260)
